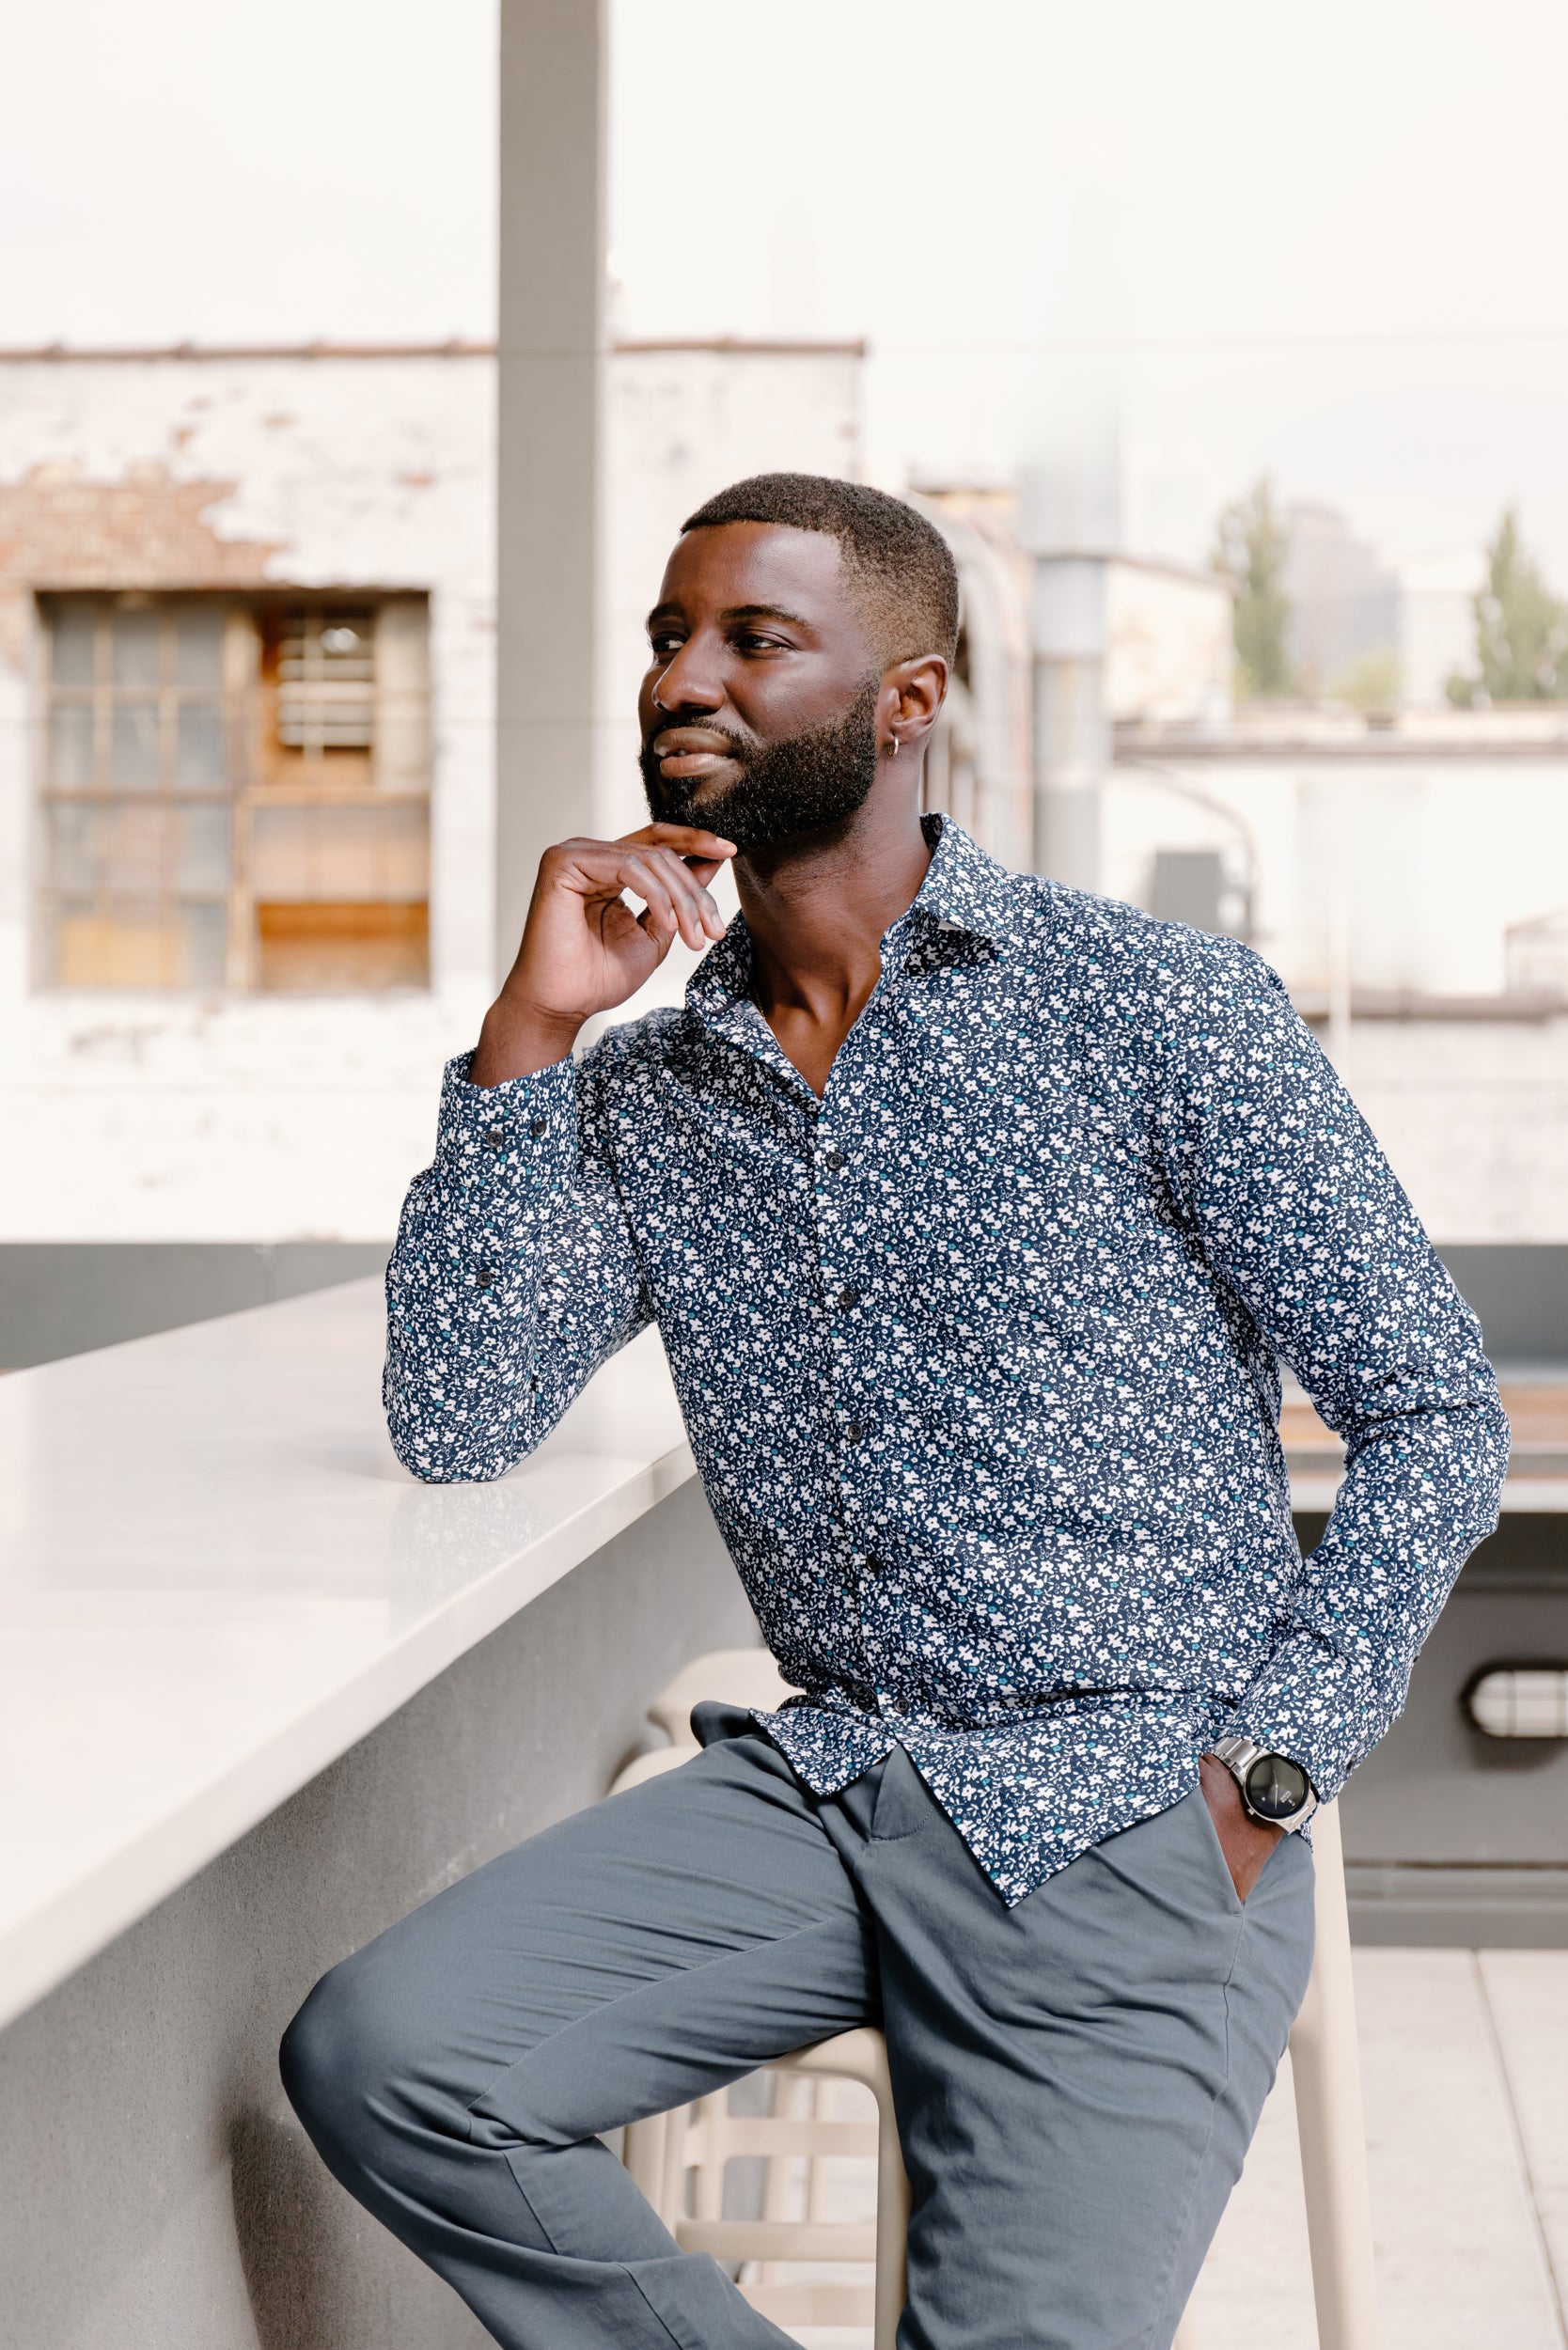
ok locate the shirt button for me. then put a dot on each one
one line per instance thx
(855, 1432)
(848, 1300)
(835, 1159)
(484, 1277)
(538, 1127)
(874, 1568)
(495, 1139)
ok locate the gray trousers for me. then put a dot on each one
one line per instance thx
(1076, 2079)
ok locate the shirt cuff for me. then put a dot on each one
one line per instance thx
(522, 1133)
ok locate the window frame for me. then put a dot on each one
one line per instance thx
(257, 772)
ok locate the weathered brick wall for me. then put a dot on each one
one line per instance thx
(59, 529)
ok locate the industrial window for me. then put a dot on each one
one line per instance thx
(236, 793)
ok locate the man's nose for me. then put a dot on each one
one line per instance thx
(688, 680)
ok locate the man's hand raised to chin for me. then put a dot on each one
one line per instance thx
(584, 950)
(1246, 1842)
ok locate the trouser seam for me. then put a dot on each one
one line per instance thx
(623, 2267)
(657, 2316)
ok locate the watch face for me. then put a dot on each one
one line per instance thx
(1276, 1788)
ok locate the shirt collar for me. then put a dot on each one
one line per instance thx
(962, 892)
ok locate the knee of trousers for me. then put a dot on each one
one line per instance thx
(357, 2085)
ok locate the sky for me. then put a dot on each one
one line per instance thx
(1325, 243)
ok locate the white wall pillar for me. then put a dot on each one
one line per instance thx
(550, 554)
(1068, 521)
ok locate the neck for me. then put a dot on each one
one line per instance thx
(816, 910)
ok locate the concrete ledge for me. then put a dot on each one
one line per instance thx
(1433, 1906)
(65, 1297)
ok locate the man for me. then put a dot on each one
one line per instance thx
(973, 1212)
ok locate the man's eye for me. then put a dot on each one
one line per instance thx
(750, 642)
(663, 645)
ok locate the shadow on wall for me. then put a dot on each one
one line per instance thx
(321, 2273)
(292, 2230)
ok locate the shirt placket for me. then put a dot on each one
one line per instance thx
(852, 1293)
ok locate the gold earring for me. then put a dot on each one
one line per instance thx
(893, 747)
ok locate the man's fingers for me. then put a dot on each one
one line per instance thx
(657, 873)
(647, 882)
(652, 866)
(700, 919)
(686, 840)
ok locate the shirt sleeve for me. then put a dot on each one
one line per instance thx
(514, 1278)
(1295, 1206)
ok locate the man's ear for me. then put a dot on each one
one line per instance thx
(911, 694)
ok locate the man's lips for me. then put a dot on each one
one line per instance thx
(687, 752)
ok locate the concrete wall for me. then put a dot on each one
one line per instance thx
(158, 2194)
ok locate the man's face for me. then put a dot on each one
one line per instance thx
(758, 706)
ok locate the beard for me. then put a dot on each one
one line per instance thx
(809, 782)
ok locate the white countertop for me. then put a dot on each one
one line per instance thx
(215, 1577)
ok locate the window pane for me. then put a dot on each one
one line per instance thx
(72, 841)
(71, 629)
(204, 940)
(199, 761)
(198, 647)
(135, 638)
(343, 950)
(70, 746)
(116, 947)
(135, 847)
(203, 848)
(134, 743)
(342, 853)
(326, 691)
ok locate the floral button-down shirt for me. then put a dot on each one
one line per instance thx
(977, 1353)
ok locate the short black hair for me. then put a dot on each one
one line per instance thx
(903, 575)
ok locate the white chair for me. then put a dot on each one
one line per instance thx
(673, 2153)
(680, 2160)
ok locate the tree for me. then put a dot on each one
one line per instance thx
(1251, 546)
(1521, 630)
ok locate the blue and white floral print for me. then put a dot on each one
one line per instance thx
(977, 1353)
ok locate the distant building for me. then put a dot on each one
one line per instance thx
(1173, 655)
(247, 751)
(1343, 602)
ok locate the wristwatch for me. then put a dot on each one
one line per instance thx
(1272, 1787)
